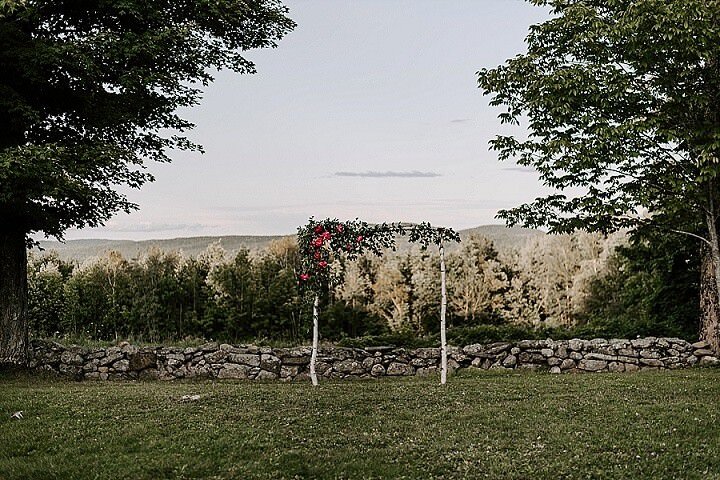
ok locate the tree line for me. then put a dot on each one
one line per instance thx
(558, 285)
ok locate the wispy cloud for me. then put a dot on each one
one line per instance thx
(520, 169)
(371, 174)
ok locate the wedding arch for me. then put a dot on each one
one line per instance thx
(322, 243)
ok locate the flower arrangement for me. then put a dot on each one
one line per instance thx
(322, 243)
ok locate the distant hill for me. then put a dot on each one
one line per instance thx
(81, 250)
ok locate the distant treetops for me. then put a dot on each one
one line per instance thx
(322, 243)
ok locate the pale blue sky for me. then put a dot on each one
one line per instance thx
(379, 87)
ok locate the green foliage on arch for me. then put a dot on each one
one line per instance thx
(322, 243)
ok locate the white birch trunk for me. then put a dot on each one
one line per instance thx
(313, 357)
(443, 309)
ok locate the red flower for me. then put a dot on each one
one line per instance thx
(317, 255)
(348, 247)
(360, 239)
(322, 264)
(339, 228)
(319, 229)
(304, 277)
(318, 242)
(326, 235)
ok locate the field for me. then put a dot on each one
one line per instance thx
(484, 425)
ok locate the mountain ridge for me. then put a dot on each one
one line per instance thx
(82, 249)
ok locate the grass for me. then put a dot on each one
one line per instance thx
(485, 425)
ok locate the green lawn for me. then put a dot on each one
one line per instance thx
(523, 426)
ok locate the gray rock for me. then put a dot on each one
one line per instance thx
(349, 367)
(649, 354)
(527, 357)
(396, 369)
(510, 361)
(651, 362)
(709, 360)
(208, 347)
(627, 352)
(643, 342)
(567, 364)
(576, 345)
(592, 365)
(111, 358)
(554, 361)
(555, 370)
(270, 363)
(265, 375)
(369, 362)
(289, 372)
(121, 365)
(701, 344)
(247, 359)
(514, 351)
(630, 367)
(497, 348)
(216, 356)
(304, 360)
(547, 352)
(575, 356)
(701, 352)
(377, 370)
(426, 353)
(323, 368)
(616, 367)
(600, 356)
(234, 371)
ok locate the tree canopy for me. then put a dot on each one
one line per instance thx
(621, 99)
(89, 91)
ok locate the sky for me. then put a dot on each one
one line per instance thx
(369, 109)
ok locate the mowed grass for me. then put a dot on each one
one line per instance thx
(485, 425)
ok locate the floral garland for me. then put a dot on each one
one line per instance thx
(322, 243)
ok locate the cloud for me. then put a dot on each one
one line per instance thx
(520, 169)
(460, 120)
(371, 174)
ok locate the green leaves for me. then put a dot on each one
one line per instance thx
(323, 244)
(89, 91)
(621, 99)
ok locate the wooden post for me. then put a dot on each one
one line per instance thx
(313, 357)
(443, 309)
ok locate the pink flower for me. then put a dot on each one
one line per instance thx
(360, 238)
(339, 228)
(317, 255)
(304, 277)
(322, 264)
(319, 229)
(326, 235)
(318, 242)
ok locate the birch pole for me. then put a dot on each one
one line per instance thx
(313, 356)
(443, 309)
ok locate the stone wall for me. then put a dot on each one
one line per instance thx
(263, 363)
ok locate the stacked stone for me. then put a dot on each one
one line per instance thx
(597, 355)
(224, 361)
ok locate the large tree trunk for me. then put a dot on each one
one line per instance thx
(13, 298)
(709, 304)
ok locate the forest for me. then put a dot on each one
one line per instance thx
(559, 286)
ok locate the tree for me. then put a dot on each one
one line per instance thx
(622, 102)
(479, 282)
(88, 92)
